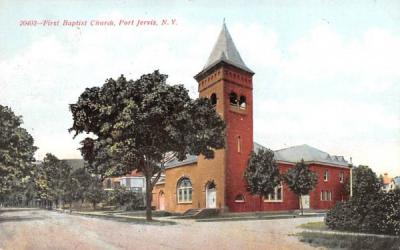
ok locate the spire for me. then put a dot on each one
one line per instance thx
(225, 50)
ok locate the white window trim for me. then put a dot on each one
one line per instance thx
(240, 201)
(326, 195)
(341, 177)
(182, 201)
(268, 198)
(326, 174)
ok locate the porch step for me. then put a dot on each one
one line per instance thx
(191, 212)
(201, 213)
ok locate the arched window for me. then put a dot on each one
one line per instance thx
(184, 190)
(242, 102)
(233, 98)
(239, 198)
(213, 99)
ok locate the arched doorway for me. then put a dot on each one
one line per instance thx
(211, 195)
(161, 201)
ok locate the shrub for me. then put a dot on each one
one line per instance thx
(380, 215)
(123, 197)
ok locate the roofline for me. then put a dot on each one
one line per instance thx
(221, 63)
(181, 164)
(315, 162)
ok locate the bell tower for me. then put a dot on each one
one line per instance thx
(228, 83)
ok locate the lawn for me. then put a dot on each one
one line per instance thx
(335, 241)
(128, 219)
(319, 225)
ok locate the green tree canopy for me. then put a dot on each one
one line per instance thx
(262, 173)
(140, 125)
(301, 180)
(53, 178)
(16, 150)
(365, 185)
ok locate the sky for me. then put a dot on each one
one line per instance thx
(326, 72)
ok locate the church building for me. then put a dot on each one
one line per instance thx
(197, 183)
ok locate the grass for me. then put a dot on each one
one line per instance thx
(336, 241)
(128, 219)
(319, 225)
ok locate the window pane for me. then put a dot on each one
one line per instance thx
(190, 194)
(279, 193)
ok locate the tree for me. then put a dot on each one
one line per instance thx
(16, 151)
(140, 125)
(366, 185)
(95, 192)
(262, 173)
(366, 189)
(53, 177)
(82, 181)
(301, 180)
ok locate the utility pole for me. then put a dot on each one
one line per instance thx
(351, 177)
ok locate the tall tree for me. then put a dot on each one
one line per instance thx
(52, 179)
(262, 173)
(301, 180)
(16, 150)
(140, 125)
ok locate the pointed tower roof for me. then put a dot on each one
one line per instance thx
(225, 50)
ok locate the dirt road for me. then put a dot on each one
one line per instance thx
(38, 229)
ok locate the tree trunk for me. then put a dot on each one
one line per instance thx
(301, 205)
(260, 202)
(94, 205)
(148, 197)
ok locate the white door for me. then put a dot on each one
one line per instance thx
(211, 198)
(162, 201)
(305, 201)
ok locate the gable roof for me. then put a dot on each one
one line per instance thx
(291, 154)
(225, 50)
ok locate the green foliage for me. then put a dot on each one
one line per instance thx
(121, 196)
(262, 173)
(369, 210)
(81, 180)
(300, 179)
(53, 179)
(95, 192)
(16, 151)
(139, 125)
(366, 185)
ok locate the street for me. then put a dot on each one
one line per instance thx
(40, 229)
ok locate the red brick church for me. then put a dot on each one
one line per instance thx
(219, 183)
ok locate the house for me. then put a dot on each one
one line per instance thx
(387, 182)
(218, 183)
(396, 181)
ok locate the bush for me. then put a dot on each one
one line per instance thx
(379, 215)
(125, 198)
